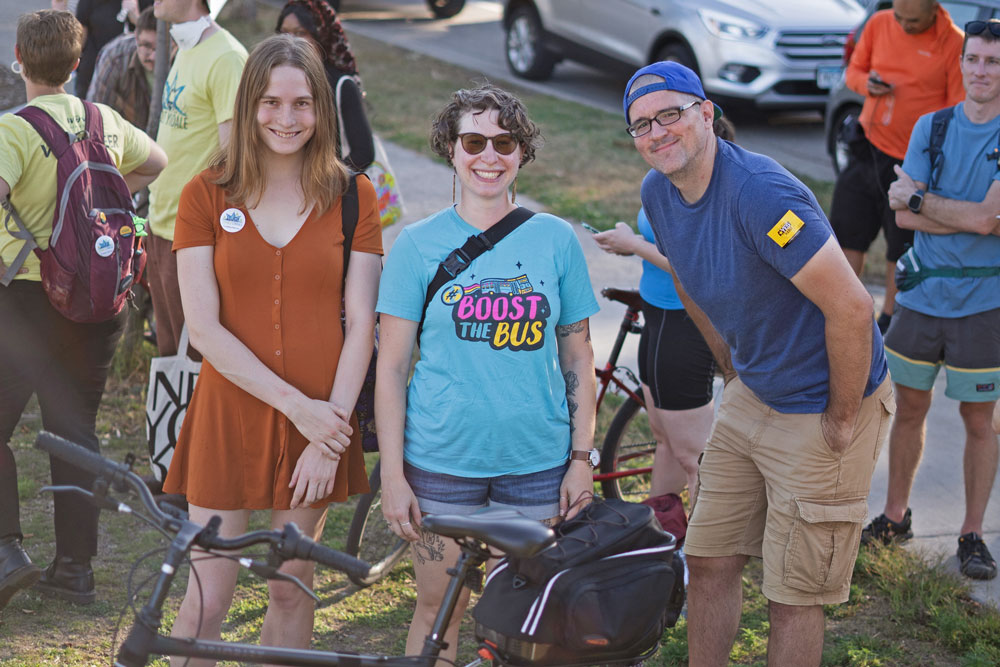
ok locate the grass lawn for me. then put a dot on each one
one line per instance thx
(902, 611)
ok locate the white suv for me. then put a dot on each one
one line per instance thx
(776, 53)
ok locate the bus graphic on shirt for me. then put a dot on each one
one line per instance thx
(507, 313)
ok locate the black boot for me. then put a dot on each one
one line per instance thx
(16, 569)
(69, 579)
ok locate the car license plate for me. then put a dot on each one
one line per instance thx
(827, 77)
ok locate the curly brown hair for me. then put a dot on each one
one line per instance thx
(512, 117)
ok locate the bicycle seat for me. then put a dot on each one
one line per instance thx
(506, 529)
(629, 297)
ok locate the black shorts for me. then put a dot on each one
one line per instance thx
(860, 205)
(674, 360)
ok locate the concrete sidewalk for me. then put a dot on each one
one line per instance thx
(937, 500)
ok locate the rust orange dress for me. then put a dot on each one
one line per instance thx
(234, 451)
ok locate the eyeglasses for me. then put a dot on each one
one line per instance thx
(973, 28)
(662, 118)
(475, 143)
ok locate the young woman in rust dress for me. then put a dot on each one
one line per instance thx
(259, 246)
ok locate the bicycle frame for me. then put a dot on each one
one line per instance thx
(608, 376)
(144, 638)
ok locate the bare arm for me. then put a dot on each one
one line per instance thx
(940, 215)
(321, 422)
(623, 241)
(397, 338)
(146, 172)
(314, 472)
(829, 282)
(720, 349)
(4, 189)
(576, 359)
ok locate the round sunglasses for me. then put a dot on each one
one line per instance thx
(475, 143)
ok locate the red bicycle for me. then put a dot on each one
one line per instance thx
(628, 449)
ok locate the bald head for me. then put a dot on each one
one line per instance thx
(915, 16)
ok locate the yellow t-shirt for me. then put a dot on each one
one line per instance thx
(199, 94)
(30, 168)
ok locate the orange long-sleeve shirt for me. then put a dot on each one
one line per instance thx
(923, 70)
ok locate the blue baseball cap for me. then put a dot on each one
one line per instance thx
(674, 77)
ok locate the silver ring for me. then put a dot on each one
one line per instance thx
(404, 523)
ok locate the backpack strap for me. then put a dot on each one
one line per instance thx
(349, 218)
(459, 259)
(939, 129)
(22, 234)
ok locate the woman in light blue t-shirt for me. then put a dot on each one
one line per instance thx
(504, 387)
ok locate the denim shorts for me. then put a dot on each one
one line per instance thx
(535, 495)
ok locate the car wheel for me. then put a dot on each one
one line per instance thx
(445, 9)
(526, 55)
(678, 53)
(837, 144)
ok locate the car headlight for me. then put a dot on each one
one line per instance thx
(728, 26)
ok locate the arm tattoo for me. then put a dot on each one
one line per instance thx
(567, 329)
(572, 382)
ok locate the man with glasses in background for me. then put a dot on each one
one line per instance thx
(786, 473)
(123, 77)
(950, 316)
(906, 65)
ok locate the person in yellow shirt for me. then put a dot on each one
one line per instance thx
(64, 362)
(198, 100)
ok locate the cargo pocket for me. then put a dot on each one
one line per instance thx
(823, 544)
(888, 409)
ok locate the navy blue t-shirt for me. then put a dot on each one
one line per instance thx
(734, 251)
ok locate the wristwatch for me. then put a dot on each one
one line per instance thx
(591, 456)
(916, 201)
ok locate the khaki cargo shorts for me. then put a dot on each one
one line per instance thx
(772, 488)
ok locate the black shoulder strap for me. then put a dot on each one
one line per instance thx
(460, 258)
(939, 128)
(349, 218)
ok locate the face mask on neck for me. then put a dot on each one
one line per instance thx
(189, 33)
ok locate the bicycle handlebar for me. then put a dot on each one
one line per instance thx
(290, 543)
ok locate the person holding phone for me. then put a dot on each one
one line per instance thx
(906, 65)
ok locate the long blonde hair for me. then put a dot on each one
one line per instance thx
(240, 162)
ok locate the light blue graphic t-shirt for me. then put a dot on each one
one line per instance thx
(656, 286)
(966, 174)
(487, 396)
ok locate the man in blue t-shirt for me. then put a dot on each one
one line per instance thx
(950, 320)
(786, 473)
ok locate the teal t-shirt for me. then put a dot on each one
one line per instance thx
(966, 174)
(487, 396)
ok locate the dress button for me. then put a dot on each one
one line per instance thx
(276, 302)
(277, 276)
(277, 353)
(277, 326)
(277, 252)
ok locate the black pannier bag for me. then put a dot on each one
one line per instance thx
(601, 594)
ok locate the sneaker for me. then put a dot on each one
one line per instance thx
(883, 322)
(974, 558)
(69, 579)
(887, 531)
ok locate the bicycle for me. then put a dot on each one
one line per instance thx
(626, 456)
(501, 529)
(629, 447)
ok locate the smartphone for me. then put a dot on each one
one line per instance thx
(590, 228)
(874, 78)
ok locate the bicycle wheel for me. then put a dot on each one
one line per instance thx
(628, 452)
(369, 537)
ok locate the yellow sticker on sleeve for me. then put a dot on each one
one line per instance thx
(786, 229)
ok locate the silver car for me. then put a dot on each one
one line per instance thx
(844, 105)
(775, 53)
